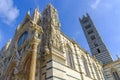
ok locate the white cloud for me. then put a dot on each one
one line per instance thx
(95, 4)
(8, 12)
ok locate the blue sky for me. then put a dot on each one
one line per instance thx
(104, 13)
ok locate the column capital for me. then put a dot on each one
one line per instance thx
(34, 26)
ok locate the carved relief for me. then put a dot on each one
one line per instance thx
(56, 39)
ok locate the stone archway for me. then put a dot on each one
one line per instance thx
(23, 70)
(10, 71)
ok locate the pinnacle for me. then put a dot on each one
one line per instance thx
(37, 9)
(28, 12)
(49, 5)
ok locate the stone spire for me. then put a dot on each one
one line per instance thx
(28, 12)
(50, 5)
(52, 15)
(51, 27)
(36, 15)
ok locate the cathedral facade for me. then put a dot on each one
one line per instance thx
(40, 51)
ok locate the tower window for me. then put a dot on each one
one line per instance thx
(88, 26)
(85, 20)
(90, 31)
(22, 38)
(92, 37)
(98, 50)
(95, 44)
(116, 76)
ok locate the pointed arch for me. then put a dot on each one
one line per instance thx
(96, 71)
(10, 71)
(115, 74)
(24, 67)
(69, 56)
(85, 65)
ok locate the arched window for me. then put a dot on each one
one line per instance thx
(96, 72)
(115, 74)
(85, 65)
(22, 38)
(69, 56)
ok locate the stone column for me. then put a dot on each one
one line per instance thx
(91, 67)
(34, 44)
(79, 66)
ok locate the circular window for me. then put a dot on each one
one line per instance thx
(22, 38)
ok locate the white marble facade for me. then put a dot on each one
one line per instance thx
(58, 57)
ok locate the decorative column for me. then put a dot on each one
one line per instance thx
(33, 59)
(34, 44)
(77, 57)
(99, 70)
(90, 66)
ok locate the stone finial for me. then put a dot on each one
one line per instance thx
(87, 14)
(51, 7)
(28, 12)
(36, 15)
(8, 44)
(18, 27)
(83, 16)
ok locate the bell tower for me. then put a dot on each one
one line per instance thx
(96, 45)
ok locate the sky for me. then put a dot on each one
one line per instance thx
(104, 13)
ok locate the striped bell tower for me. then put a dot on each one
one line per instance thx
(96, 45)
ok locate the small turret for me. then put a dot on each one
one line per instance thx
(51, 15)
(36, 15)
(51, 28)
(28, 12)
